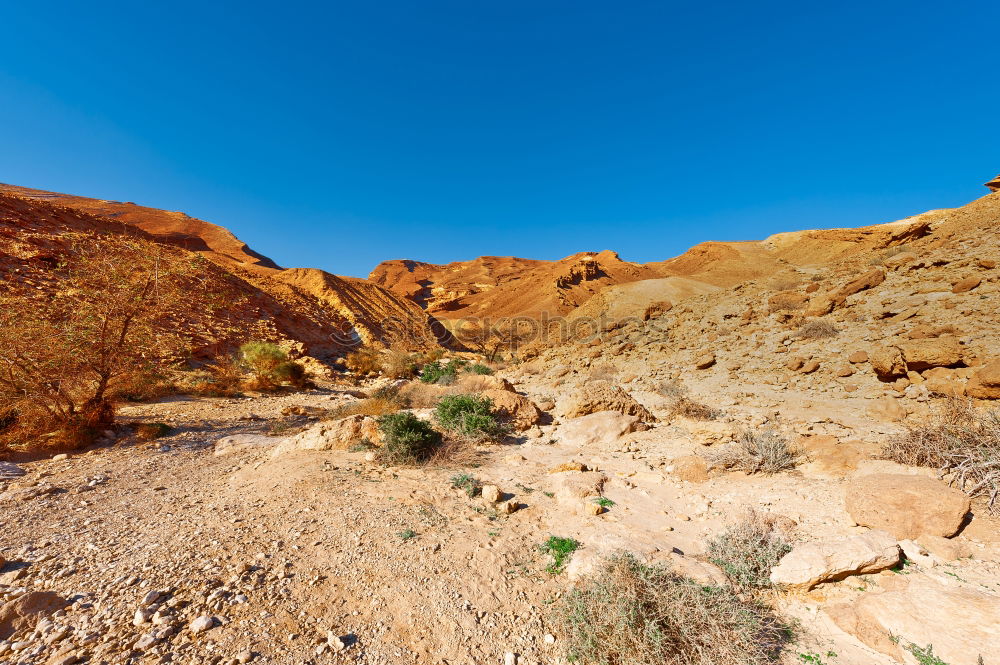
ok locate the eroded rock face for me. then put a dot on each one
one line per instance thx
(516, 409)
(599, 396)
(906, 506)
(22, 613)
(994, 184)
(922, 354)
(604, 428)
(985, 383)
(812, 563)
(960, 623)
(888, 362)
(334, 435)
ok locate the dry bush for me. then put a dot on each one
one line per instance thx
(364, 361)
(142, 386)
(628, 613)
(961, 442)
(679, 403)
(747, 550)
(150, 431)
(400, 365)
(758, 451)
(817, 329)
(423, 395)
(786, 302)
(112, 312)
(784, 282)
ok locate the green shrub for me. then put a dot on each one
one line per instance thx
(628, 613)
(150, 431)
(747, 550)
(406, 439)
(478, 368)
(560, 549)
(435, 372)
(470, 417)
(467, 483)
(269, 366)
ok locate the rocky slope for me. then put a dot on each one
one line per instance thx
(328, 315)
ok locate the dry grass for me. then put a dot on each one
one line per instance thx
(364, 361)
(961, 442)
(372, 406)
(748, 549)
(817, 329)
(679, 403)
(628, 613)
(758, 451)
(786, 302)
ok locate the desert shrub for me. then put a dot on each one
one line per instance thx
(386, 399)
(960, 441)
(223, 378)
(679, 403)
(470, 417)
(817, 329)
(758, 451)
(479, 368)
(560, 549)
(142, 386)
(364, 361)
(435, 372)
(400, 365)
(150, 431)
(269, 366)
(467, 483)
(747, 550)
(628, 613)
(112, 313)
(406, 439)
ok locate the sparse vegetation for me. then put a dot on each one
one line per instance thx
(817, 329)
(747, 550)
(268, 366)
(470, 417)
(109, 320)
(435, 372)
(479, 368)
(467, 483)
(960, 441)
(560, 549)
(679, 403)
(406, 439)
(407, 534)
(604, 502)
(628, 613)
(926, 655)
(758, 451)
(364, 361)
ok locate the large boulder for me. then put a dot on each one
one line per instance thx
(333, 435)
(21, 614)
(598, 396)
(985, 383)
(604, 428)
(921, 354)
(906, 506)
(888, 362)
(514, 408)
(962, 624)
(572, 487)
(809, 564)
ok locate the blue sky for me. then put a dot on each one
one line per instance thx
(336, 135)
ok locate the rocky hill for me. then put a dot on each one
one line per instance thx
(327, 315)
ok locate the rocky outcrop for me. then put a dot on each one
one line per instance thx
(961, 624)
(604, 428)
(23, 613)
(333, 435)
(994, 184)
(514, 408)
(906, 506)
(809, 564)
(985, 383)
(598, 396)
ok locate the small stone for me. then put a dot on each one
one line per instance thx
(201, 624)
(549, 638)
(491, 493)
(510, 658)
(594, 508)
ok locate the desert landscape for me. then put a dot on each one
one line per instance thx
(774, 451)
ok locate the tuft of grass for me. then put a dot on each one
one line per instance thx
(758, 451)
(679, 403)
(467, 483)
(628, 613)
(960, 441)
(406, 439)
(560, 549)
(470, 417)
(817, 329)
(747, 550)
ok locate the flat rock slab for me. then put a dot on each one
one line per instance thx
(906, 506)
(809, 564)
(9, 470)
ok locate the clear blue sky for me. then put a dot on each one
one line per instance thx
(336, 135)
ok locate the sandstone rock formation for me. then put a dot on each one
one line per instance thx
(906, 506)
(809, 564)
